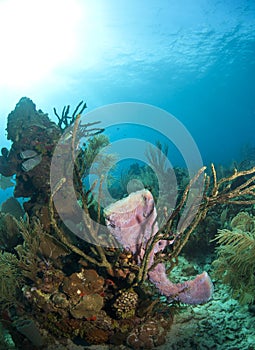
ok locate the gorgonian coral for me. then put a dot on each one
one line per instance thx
(236, 255)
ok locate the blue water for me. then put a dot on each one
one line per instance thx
(194, 59)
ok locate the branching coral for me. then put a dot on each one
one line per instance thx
(132, 221)
(236, 255)
(80, 166)
(65, 120)
(215, 192)
(177, 228)
(135, 178)
(89, 152)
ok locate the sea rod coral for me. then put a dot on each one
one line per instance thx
(132, 221)
(137, 230)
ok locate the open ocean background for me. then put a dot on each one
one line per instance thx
(194, 59)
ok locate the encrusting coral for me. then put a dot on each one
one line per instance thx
(69, 287)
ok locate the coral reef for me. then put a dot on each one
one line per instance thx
(33, 137)
(67, 290)
(88, 307)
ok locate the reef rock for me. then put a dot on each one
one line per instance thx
(33, 137)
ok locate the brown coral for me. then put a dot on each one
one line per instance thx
(96, 336)
(50, 278)
(64, 327)
(60, 300)
(103, 321)
(93, 283)
(147, 335)
(88, 307)
(126, 303)
(83, 283)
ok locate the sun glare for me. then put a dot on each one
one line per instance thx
(36, 37)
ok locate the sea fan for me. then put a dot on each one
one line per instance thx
(10, 279)
(235, 263)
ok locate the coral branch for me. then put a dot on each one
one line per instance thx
(64, 121)
(223, 192)
(128, 220)
(133, 228)
(91, 227)
(167, 232)
(63, 238)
